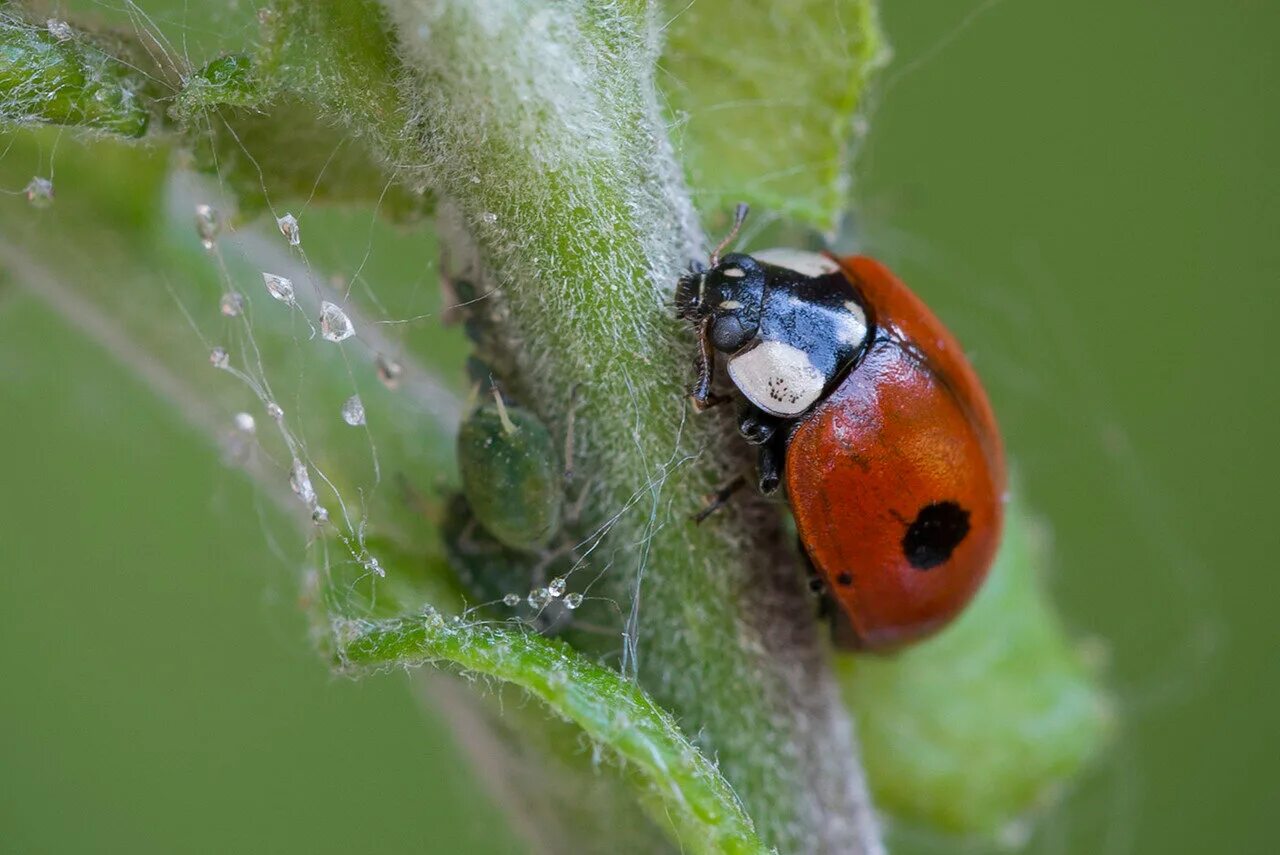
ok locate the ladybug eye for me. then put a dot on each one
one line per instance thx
(728, 333)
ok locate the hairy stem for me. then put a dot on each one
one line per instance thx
(540, 128)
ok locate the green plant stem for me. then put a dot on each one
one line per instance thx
(540, 127)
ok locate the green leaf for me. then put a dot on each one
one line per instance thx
(765, 96)
(685, 788)
(61, 78)
(314, 115)
(227, 81)
(340, 55)
(971, 730)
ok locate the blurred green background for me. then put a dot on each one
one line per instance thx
(1086, 192)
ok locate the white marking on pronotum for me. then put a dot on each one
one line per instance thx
(730, 304)
(853, 326)
(802, 262)
(777, 378)
(734, 272)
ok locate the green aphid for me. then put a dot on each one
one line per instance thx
(511, 475)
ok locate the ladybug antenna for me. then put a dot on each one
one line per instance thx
(739, 215)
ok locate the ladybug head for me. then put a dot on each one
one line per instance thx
(729, 293)
(731, 296)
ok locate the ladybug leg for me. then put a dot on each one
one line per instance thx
(769, 463)
(719, 498)
(756, 426)
(705, 366)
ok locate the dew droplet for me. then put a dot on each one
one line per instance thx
(557, 586)
(218, 358)
(280, 287)
(389, 372)
(208, 224)
(539, 597)
(353, 411)
(39, 192)
(489, 217)
(300, 482)
(373, 566)
(289, 228)
(319, 515)
(511, 600)
(334, 323)
(275, 411)
(245, 423)
(573, 600)
(60, 30)
(231, 304)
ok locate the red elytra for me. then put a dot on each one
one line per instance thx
(896, 478)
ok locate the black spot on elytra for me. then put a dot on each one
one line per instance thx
(934, 534)
(844, 579)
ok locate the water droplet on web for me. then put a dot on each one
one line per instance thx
(389, 372)
(275, 411)
(489, 217)
(334, 323)
(218, 358)
(279, 287)
(319, 515)
(573, 600)
(300, 482)
(208, 224)
(557, 586)
(539, 597)
(231, 304)
(353, 411)
(289, 228)
(371, 564)
(39, 192)
(245, 423)
(511, 600)
(60, 30)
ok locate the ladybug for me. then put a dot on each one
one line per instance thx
(864, 406)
